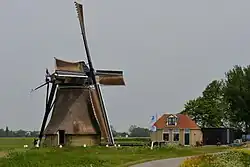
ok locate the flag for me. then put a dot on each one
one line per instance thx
(153, 128)
(153, 119)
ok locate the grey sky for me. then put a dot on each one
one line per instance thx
(169, 51)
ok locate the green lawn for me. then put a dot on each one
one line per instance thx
(11, 143)
(95, 156)
(8, 144)
(85, 157)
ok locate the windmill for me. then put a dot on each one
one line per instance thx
(74, 96)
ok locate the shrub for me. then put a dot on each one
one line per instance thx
(199, 161)
(173, 145)
(134, 139)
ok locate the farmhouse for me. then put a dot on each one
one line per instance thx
(177, 128)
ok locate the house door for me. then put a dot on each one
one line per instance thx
(61, 137)
(187, 142)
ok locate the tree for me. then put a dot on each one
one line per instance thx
(136, 131)
(34, 133)
(237, 95)
(224, 103)
(113, 131)
(208, 109)
(117, 134)
(122, 134)
(2, 133)
(194, 110)
(7, 131)
(131, 128)
(20, 133)
(214, 104)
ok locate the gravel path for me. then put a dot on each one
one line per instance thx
(171, 162)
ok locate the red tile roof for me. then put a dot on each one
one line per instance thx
(183, 121)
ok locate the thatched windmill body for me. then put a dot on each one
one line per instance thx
(74, 96)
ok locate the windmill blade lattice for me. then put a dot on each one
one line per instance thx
(79, 9)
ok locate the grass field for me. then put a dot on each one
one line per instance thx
(87, 157)
(9, 144)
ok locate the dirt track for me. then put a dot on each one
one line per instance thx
(171, 162)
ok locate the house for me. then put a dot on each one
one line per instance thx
(177, 128)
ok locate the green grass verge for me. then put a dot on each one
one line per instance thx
(10, 144)
(96, 156)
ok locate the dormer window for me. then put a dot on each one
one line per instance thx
(172, 120)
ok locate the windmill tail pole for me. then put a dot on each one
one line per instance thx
(49, 99)
(40, 86)
(79, 9)
(46, 108)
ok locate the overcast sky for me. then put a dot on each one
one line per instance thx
(169, 51)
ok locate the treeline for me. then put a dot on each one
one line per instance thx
(19, 133)
(225, 102)
(134, 131)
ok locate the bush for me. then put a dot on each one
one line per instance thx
(199, 161)
(173, 145)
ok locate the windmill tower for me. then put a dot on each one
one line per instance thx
(74, 96)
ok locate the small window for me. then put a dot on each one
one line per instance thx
(176, 136)
(172, 121)
(166, 136)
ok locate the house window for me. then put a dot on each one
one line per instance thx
(171, 120)
(176, 136)
(166, 136)
(187, 130)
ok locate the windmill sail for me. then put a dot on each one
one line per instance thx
(99, 114)
(61, 65)
(109, 77)
(110, 139)
(79, 11)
